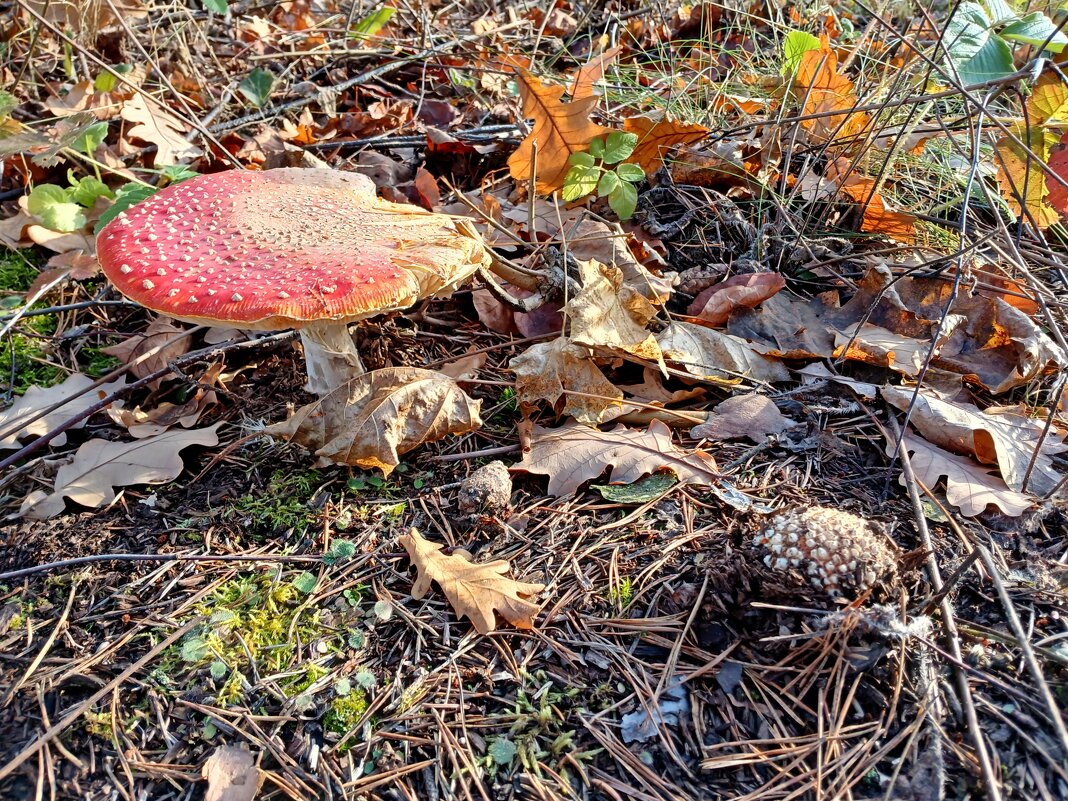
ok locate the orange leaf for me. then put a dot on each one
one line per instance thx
(878, 217)
(1023, 179)
(591, 72)
(823, 89)
(560, 129)
(656, 137)
(1048, 100)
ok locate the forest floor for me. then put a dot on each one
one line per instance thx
(826, 268)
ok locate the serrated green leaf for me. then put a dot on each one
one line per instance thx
(340, 550)
(581, 159)
(52, 205)
(618, 145)
(90, 138)
(597, 148)
(502, 751)
(217, 6)
(176, 173)
(624, 200)
(372, 24)
(579, 182)
(998, 11)
(256, 87)
(126, 196)
(85, 191)
(641, 491)
(306, 582)
(631, 172)
(195, 649)
(608, 183)
(794, 45)
(1036, 29)
(975, 53)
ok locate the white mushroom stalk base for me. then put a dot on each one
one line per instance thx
(330, 355)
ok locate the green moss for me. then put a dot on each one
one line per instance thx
(16, 271)
(95, 363)
(22, 364)
(282, 505)
(345, 712)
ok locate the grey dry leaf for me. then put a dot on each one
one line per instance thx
(711, 355)
(969, 486)
(38, 399)
(155, 343)
(232, 774)
(997, 437)
(157, 126)
(873, 344)
(474, 590)
(574, 453)
(750, 415)
(464, 368)
(548, 370)
(98, 466)
(379, 416)
(607, 314)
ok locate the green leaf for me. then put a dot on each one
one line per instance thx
(306, 582)
(256, 87)
(607, 185)
(975, 53)
(597, 148)
(195, 649)
(217, 669)
(502, 751)
(53, 207)
(106, 80)
(999, 11)
(340, 550)
(624, 200)
(795, 45)
(618, 146)
(1036, 29)
(126, 196)
(84, 192)
(582, 159)
(8, 103)
(372, 23)
(176, 173)
(90, 138)
(641, 491)
(218, 6)
(631, 172)
(579, 182)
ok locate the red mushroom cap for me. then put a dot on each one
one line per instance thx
(281, 248)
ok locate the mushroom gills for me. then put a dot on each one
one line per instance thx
(331, 356)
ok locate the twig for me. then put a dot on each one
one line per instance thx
(64, 564)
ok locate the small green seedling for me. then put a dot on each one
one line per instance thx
(590, 173)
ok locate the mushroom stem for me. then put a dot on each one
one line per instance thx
(330, 355)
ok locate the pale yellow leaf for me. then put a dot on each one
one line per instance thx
(711, 355)
(548, 370)
(608, 314)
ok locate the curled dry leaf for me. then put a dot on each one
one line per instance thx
(993, 437)
(545, 319)
(14, 425)
(657, 137)
(828, 97)
(715, 304)
(607, 314)
(559, 130)
(99, 466)
(785, 326)
(149, 422)
(232, 774)
(551, 370)
(593, 239)
(750, 415)
(475, 591)
(161, 343)
(156, 125)
(714, 356)
(465, 368)
(969, 486)
(379, 416)
(574, 453)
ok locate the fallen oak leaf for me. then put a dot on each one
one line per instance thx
(560, 129)
(714, 305)
(99, 466)
(574, 453)
(548, 370)
(373, 420)
(157, 126)
(592, 71)
(14, 421)
(657, 137)
(823, 89)
(713, 356)
(606, 313)
(475, 591)
(156, 337)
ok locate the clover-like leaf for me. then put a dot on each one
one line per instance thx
(579, 182)
(608, 184)
(85, 191)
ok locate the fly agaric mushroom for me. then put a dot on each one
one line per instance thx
(312, 249)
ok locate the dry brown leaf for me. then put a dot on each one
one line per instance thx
(711, 355)
(591, 72)
(475, 591)
(379, 416)
(464, 368)
(823, 89)
(574, 453)
(999, 437)
(969, 486)
(147, 423)
(559, 130)
(232, 774)
(657, 137)
(77, 265)
(653, 391)
(607, 314)
(156, 125)
(551, 370)
(156, 337)
(873, 344)
(546, 319)
(715, 304)
(593, 239)
(785, 326)
(38, 399)
(98, 466)
(877, 216)
(750, 415)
